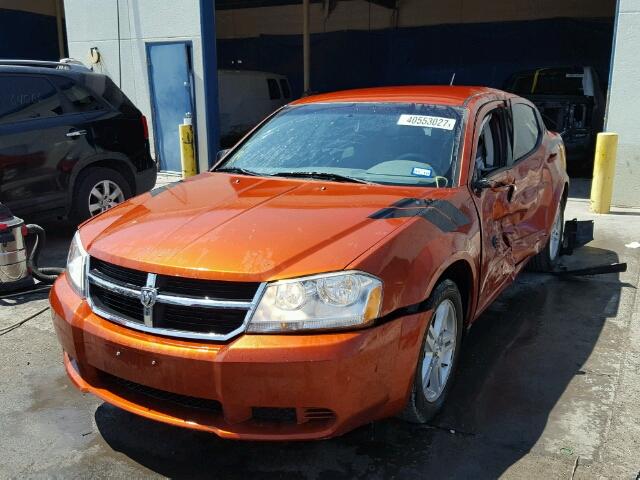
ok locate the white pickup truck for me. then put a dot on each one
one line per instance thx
(246, 97)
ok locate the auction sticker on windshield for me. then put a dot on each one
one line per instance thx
(427, 121)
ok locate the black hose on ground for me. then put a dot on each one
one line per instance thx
(46, 274)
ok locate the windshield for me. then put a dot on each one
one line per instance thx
(390, 143)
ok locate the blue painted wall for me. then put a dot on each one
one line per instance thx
(26, 35)
(479, 54)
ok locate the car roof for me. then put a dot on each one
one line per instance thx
(39, 67)
(429, 94)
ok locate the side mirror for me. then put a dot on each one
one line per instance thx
(222, 153)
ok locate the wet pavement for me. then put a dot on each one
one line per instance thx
(548, 387)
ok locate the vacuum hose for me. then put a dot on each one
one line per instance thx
(47, 274)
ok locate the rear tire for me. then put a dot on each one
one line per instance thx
(97, 190)
(547, 258)
(440, 347)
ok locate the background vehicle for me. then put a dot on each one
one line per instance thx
(246, 97)
(71, 143)
(571, 102)
(322, 274)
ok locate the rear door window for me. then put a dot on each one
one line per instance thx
(24, 97)
(274, 89)
(79, 98)
(526, 130)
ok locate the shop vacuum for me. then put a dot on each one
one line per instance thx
(19, 267)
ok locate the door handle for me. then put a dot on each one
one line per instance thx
(76, 133)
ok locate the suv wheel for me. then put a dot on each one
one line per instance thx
(438, 357)
(98, 189)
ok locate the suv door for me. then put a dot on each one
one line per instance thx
(33, 144)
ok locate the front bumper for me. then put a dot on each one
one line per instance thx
(258, 387)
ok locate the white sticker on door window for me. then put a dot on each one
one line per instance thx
(427, 121)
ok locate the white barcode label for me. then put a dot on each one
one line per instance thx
(427, 121)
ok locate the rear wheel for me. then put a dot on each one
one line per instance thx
(97, 190)
(547, 258)
(438, 357)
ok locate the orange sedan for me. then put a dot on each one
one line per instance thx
(321, 275)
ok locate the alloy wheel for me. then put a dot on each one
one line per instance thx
(439, 351)
(104, 195)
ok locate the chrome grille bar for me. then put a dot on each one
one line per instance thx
(134, 292)
(148, 310)
(151, 289)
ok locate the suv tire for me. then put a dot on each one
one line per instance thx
(90, 190)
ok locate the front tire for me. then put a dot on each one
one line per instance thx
(97, 190)
(438, 357)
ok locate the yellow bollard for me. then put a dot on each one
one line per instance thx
(604, 167)
(187, 152)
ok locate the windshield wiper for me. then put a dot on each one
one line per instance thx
(242, 171)
(336, 177)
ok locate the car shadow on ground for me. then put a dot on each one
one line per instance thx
(517, 361)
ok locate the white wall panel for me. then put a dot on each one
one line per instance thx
(92, 23)
(624, 100)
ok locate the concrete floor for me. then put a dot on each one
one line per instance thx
(548, 387)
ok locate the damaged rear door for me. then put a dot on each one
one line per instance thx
(526, 229)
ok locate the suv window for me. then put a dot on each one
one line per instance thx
(80, 99)
(274, 90)
(526, 130)
(27, 98)
(286, 91)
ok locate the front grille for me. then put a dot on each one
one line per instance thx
(125, 387)
(269, 414)
(213, 289)
(316, 414)
(118, 273)
(201, 319)
(178, 306)
(131, 308)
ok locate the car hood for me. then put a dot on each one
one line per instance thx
(245, 228)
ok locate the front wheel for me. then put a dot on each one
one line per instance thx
(438, 357)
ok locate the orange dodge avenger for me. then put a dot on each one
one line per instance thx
(321, 275)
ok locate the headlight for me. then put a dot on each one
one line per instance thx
(76, 266)
(330, 301)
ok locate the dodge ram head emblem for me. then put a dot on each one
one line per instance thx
(148, 296)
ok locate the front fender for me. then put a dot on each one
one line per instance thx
(414, 257)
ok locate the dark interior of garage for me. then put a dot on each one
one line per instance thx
(369, 43)
(479, 53)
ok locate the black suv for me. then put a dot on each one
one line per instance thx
(71, 143)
